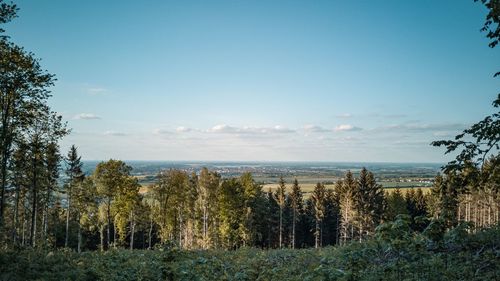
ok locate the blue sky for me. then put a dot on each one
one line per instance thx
(263, 80)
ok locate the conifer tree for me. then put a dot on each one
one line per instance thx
(318, 198)
(297, 205)
(347, 189)
(280, 197)
(396, 205)
(75, 177)
(369, 203)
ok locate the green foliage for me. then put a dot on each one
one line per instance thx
(397, 253)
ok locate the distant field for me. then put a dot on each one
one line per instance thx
(307, 188)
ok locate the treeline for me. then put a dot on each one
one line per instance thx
(109, 209)
(29, 136)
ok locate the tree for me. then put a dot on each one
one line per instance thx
(208, 185)
(318, 198)
(254, 205)
(297, 205)
(7, 13)
(280, 197)
(85, 204)
(23, 90)
(331, 221)
(41, 137)
(20, 182)
(110, 178)
(126, 205)
(369, 203)
(75, 177)
(231, 213)
(346, 190)
(492, 23)
(396, 205)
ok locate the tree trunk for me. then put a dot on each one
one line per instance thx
(33, 211)
(293, 227)
(23, 241)
(316, 235)
(360, 232)
(114, 235)
(15, 219)
(109, 223)
(66, 238)
(3, 184)
(132, 230)
(101, 233)
(6, 145)
(281, 226)
(150, 232)
(205, 227)
(79, 237)
(46, 215)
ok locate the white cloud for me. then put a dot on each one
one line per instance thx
(97, 91)
(226, 129)
(280, 129)
(182, 129)
(223, 129)
(346, 127)
(344, 115)
(114, 133)
(315, 129)
(86, 116)
(161, 132)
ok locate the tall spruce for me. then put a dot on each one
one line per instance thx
(297, 205)
(369, 203)
(346, 190)
(280, 197)
(75, 177)
(318, 198)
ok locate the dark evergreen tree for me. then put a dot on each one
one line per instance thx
(396, 205)
(369, 203)
(318, 198)
(296, 204)
(75, 176)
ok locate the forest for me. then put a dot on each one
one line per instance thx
(58, 223)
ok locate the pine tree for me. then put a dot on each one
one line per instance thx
(280, 197)
(297, 205)
(346, 190)
(369, 203)
(332, 218)
(75, 176)
(318, 198)
(396, 205)
(254, 205)
(231, 213)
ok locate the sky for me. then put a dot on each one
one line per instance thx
(354, 81)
